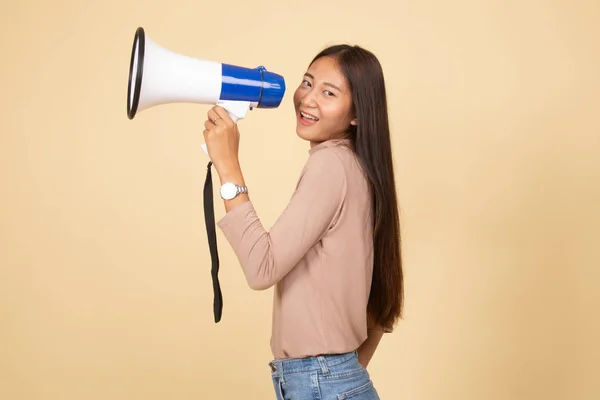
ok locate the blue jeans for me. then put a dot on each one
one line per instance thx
(325, 377)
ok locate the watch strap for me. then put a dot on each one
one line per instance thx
(241, 190)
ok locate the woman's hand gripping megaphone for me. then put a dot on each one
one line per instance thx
(221, 133)
(236, 110)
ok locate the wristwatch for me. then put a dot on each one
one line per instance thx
(231, 190)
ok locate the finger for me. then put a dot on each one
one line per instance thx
(208, 124)
(222, 113)
(212, 116)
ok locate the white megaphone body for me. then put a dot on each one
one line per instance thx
(160, 76)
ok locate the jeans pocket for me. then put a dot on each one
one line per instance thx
(364, 392)
(350, 369)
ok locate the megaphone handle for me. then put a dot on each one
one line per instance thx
(235, 109)
(233, 117)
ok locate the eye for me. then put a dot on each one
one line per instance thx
(306, 83)
(328, 93)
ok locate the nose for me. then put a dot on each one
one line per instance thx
(308, 99)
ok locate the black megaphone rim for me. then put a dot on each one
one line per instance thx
(139, 42)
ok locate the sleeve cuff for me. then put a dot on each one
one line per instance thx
(236, 218)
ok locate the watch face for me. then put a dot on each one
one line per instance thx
(228, 191)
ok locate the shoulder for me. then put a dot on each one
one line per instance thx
(340, 161)
(337, 158)
(325, 170)
(321, 160)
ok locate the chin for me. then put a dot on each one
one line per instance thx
(302, 134)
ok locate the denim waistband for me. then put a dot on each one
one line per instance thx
(308, 364)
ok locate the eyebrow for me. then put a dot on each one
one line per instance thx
(325, 83)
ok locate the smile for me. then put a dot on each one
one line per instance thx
(308, 117)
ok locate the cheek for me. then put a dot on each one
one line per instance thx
(337, 112)
(296, 97)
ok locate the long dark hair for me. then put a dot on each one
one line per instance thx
(372, 144)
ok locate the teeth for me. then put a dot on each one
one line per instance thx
(308, 116)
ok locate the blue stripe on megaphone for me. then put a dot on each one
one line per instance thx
(240, 84)
(253, 85)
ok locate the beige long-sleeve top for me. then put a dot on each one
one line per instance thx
(318, 255)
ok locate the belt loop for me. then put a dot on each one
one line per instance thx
(323, 365)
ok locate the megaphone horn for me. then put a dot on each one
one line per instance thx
(160, 76)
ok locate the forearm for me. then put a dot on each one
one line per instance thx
(250, 241)
(368, 347)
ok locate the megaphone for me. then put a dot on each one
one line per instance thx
(160, 76)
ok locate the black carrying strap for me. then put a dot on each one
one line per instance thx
(209, 220)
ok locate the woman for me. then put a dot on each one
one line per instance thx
(334, 253)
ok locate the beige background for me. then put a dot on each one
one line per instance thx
(105, 288)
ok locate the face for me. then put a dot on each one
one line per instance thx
(323, 103)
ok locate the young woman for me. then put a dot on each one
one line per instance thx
(334, 254)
